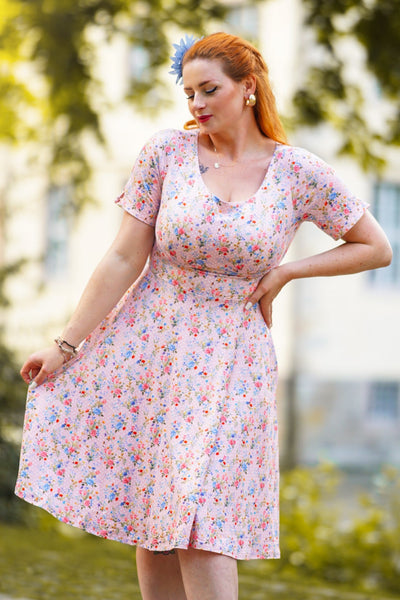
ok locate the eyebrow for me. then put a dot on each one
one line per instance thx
(200, 84)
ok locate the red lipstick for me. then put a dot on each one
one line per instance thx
(204, 118)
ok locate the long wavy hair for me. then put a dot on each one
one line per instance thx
(239, 59)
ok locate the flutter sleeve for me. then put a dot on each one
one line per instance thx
(142, 193)
(321, 196)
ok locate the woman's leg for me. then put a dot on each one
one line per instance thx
(159, 576)
(208, 576)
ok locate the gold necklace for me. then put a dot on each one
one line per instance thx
(217, 164)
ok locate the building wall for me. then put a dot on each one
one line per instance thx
(335, 337)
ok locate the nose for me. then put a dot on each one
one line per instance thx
(198, 101)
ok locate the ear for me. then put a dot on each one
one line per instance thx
(249, 85)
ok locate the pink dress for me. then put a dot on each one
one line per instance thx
(163, 432)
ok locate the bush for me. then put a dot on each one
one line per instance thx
(358, 546)
(12, 400)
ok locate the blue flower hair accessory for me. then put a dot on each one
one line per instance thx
(181, 49)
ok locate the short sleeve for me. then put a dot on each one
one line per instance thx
(322, 197)
(142, 192)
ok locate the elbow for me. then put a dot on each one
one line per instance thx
(383, 256)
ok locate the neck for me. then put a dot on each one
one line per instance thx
(236, 145)
(229, 151)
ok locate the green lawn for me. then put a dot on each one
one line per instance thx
(49, 565)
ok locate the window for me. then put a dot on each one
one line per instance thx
(243, 20)
(57, 233)
(383, 400)
(386, 208)
(139, 62)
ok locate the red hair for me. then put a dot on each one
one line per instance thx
(239, 59)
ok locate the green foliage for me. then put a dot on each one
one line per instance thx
(49, 91)
(337, 541)
(12, 400)
(349, 552)
(327, 95)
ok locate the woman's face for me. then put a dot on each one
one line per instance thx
(215, 101)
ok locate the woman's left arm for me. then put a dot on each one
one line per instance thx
(366, 247)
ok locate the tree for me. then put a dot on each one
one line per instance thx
(12, 399)
(56, 107)
(328, 96)
(47, 90)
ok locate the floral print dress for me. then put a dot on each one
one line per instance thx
(162, 432)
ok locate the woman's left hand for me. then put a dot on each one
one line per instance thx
(266, 291)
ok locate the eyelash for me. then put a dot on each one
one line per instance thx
(214, 89)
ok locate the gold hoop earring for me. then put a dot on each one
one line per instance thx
(251, 100)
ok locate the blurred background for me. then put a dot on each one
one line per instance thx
(83, 85)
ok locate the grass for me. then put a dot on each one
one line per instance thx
(66, 564)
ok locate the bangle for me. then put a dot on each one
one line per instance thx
(68, 350)
(67, 344)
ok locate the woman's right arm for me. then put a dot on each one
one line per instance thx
(121, 266)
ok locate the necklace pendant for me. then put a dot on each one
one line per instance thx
(216, 165)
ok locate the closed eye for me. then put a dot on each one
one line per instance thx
(191, 96)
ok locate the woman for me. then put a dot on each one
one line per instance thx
(161, 431)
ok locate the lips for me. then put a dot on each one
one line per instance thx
(204, 118)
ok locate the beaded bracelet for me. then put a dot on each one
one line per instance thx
(68, 352)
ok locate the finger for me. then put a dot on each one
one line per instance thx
(39, 379)
(29, 371)
(254, 298)
(266, 312)
(26, 374)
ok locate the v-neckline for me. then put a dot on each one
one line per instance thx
(211, 193)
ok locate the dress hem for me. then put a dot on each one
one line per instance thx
(198, 545)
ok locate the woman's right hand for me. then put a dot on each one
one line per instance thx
(40, 364)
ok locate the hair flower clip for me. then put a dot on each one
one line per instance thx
(181, 49)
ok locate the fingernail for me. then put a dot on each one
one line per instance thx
(33, 385)
(248, 306)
